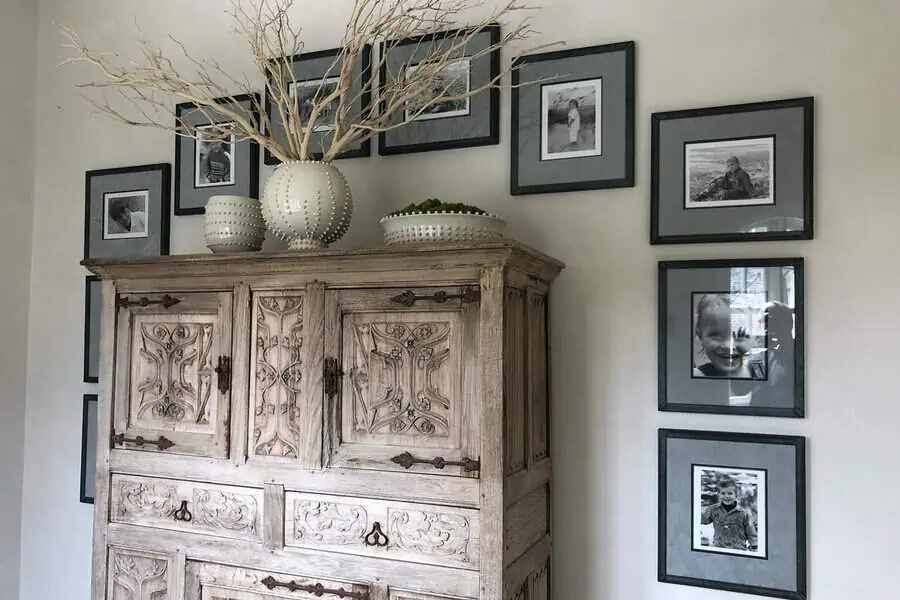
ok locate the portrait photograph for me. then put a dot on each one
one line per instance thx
(729, 339)
(570, 125)
(125, 214)
(729, 510)
(453, 80)
(307, 92)
(730, 173)
(731, 336)
(213, 157)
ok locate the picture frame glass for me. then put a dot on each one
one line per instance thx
(89, 423)
(91, 330)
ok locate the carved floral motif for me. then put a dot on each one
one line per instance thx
(329, 522)
(220, 510)
(430, 533)
(138, 499)
(174, 373)
(279, 373)
(396, 378)
(137, 577)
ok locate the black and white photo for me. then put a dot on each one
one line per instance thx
(125, 214)
(213, 157)
(571, 114)
(730, 173)
(451, 82)
(732, 512)
(729, 335)
(307, 94)
(729, 510)
(733, 173)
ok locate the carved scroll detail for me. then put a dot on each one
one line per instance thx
(218, 510)
(138, 577)
(174, 372)
(146, 499)
(396, 378)
(430, 533)
(279, 372)
(329, 522)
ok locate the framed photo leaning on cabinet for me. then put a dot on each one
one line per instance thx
(733, 173)
(732, 512)
(731, 336)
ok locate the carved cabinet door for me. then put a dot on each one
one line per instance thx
(401, 373)
(141, 575)
(173, 373)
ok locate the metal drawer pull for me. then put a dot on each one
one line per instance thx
(409, 297)
(140, 441)
(183, 514)
(407, 460)
(166, 301)
(316, 589)
(223, 372)
(376, 537)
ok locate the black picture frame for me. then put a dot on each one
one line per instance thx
(91, 329)
(778, 574)
(188, 201)
(785, 214)
(613, 65)
(483, 122)
(312, 66)
(152, 185)
(88, 448)
(777, 386)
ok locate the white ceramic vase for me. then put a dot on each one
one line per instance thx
(307, 203)
(233, 224)
(418, 228)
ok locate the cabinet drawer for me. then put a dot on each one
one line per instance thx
(222, 511)
(421, 533)
(207, 581)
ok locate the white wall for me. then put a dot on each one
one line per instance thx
(690, 53)
(18, 30)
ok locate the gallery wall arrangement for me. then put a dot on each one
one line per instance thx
(731, 333)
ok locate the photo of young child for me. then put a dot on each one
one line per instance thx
(729, 510)
(571, 114)
(729, 336)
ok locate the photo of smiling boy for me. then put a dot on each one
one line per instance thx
(725, 344)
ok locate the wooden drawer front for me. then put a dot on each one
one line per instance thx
(223, 511)
(421, 533)
(407, 394)
(395, 594)
(207, 581)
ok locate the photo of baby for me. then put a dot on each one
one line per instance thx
(729, 510)
(729, 336)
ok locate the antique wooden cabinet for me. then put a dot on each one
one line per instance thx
(369, 424)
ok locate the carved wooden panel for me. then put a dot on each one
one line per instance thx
(222, 511)
(525, 523)
(514, 373)
(139, 576)
(409, 382)
(277, 406)
(540, 583)
(539, 383)
(167, 386)
(210, 581)
(401, 531)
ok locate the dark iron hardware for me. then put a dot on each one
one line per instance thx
(315, 589)
(140, 441)
(183, 514)
(409, 297)
(406, 460)
(376, 537)
(223, 370)
(166, 301)
(332, 377)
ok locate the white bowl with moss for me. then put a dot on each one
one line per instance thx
(435, 221)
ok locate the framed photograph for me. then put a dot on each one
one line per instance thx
(731, 336)
(732, 512)
(315, 74)
(215, 163)
(91, 329)
(457, 123)
(88, 447)
(733, 173)
(573, 128)
(126, 211)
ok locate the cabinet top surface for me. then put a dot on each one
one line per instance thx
(284, 261)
